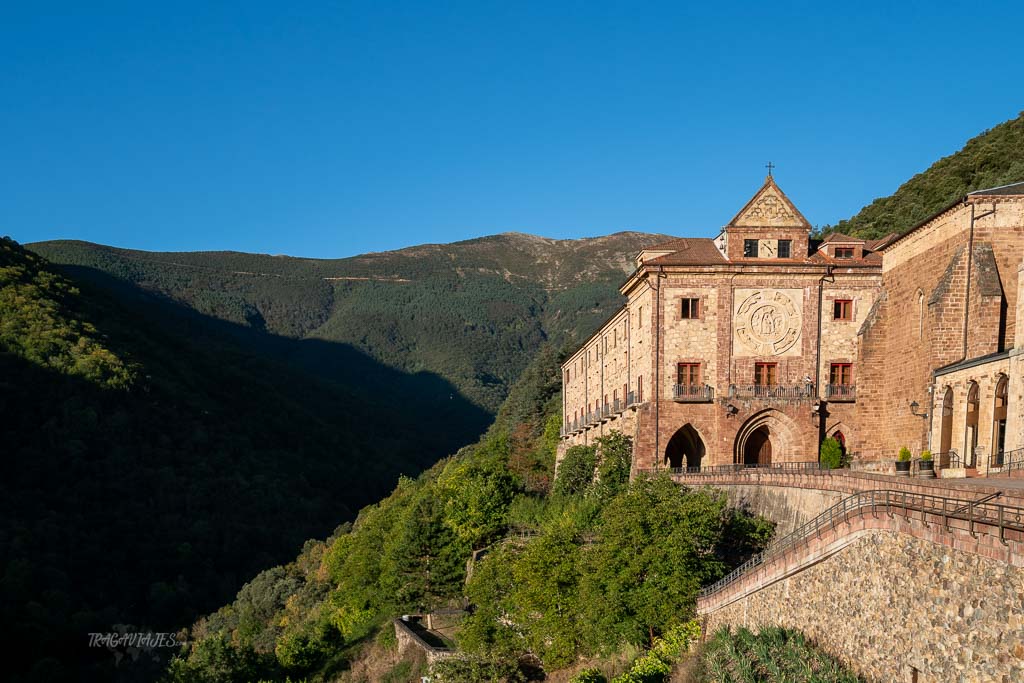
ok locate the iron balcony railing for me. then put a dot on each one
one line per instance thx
(618, 405)
(693, 393)
(631, 398)
(978, 512)
(772, 391)
(841, 392)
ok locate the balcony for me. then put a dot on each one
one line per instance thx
(693, 393)
(841, 392)
(631, 398)
(790, 392)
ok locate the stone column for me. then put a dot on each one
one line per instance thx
(1015, 387)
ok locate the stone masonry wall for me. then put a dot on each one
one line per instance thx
(889, 604)
(787, 507)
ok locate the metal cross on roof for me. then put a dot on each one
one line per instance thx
(769, 166)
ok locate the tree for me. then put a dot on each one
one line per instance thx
(615, 455)
(576, 473)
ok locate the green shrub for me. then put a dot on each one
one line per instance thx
(576, 473)
(926, 455)
(904, 454)
(831, 453)
(592, 675)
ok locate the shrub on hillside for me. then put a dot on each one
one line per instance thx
(576, 473)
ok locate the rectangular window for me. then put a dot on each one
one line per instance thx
(841, 373)
(844, 252)
(750, 248)
(785, 248)
(688, 374)
(690, 309)
(640, 318)
(842, 309)
(640, 389)
(766, 374)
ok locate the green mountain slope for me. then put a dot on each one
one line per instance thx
(472, 312)
(994, 158)
(154, 458)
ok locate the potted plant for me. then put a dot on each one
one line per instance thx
(903, 462)
(927, 465)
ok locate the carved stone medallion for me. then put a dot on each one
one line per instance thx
(767, 323)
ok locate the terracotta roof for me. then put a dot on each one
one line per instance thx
(840, 237)
(696, 251)
(873, 245)
(870, 258)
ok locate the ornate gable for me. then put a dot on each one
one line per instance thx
(770, 207)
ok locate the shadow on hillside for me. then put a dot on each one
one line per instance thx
(423, 399)
(153, 506)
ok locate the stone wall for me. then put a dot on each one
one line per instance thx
(890, 604)
(950, 295)
(787, 507)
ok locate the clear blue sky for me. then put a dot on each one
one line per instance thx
(327, 130)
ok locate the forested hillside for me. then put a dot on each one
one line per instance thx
(472, 312)
(607, 564)
(994, 158)
(154, 458)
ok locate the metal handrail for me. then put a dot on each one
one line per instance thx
(740, 467)
(947, 460)
(1007, 461)
(889, 501)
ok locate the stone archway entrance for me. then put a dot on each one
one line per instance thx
(685, 448)
(768, 437)
(758, 448)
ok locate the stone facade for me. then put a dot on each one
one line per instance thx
(757, 344)
(950, 615)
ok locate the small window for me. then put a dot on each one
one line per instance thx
(765, 374)
(841, 374)
(688, 374)
(785, 248)
(640, 389)
(842, 309)
(690, 309)
(844, 252)
(640, 318)
(750, 248)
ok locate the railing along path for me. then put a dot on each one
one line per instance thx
(980, 512)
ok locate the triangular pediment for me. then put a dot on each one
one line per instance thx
(770, 207)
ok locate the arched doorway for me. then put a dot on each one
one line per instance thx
(758, 448)
(946, 426)
(999, 422)
(770, 436)
(971, 444)
(685, 448)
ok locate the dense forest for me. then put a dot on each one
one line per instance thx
(580, 566)
(991, 159)
(471, 312)
(154, 458)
